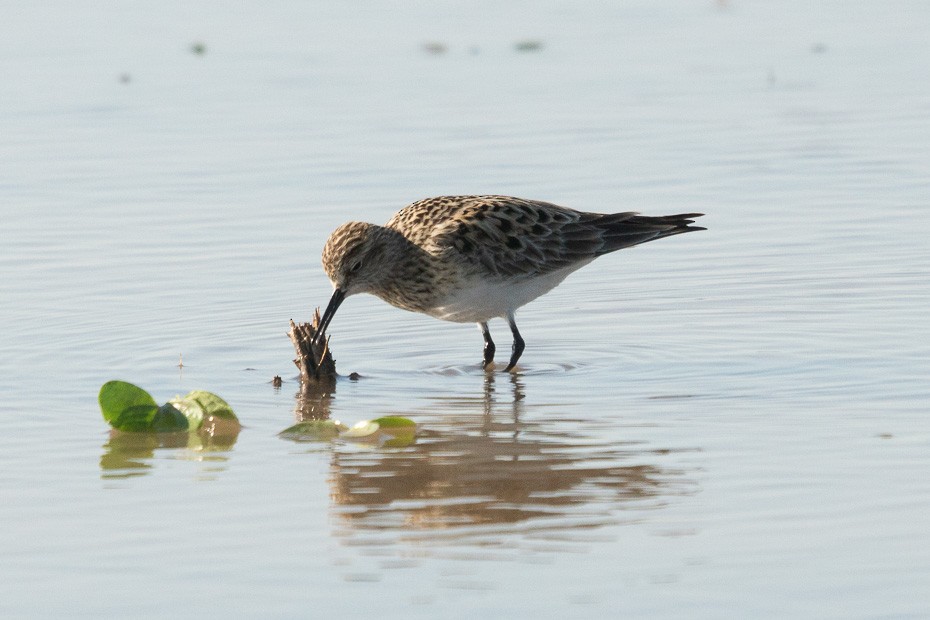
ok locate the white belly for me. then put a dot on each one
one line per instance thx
(481, 300)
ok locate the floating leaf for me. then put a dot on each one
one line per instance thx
(127, 407)
(168, 419)
(394, 421)
(314, 430)
(528, 45)
(117, 396)
(389, 431)
(392, 431)
(130, 408)
(365, 428)
(135, 418)
(396, 431)
(205, 408)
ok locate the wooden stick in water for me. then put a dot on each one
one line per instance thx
(314, 360)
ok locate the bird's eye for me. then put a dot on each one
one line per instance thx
(356, 266)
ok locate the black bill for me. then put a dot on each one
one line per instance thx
(334, 303)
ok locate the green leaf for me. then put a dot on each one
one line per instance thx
(314, 430)
(169, 420)
(126, 407)
(396, 431)
(199, 406)
(365, 428)
(212, 404)
(393, 421)
(117, 396)
(136, 418)
(130, 408)
(389, 431)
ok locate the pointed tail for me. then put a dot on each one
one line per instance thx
(623, 230)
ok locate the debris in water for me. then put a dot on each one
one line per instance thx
(434, 47)
(314, 359)
(528, 45)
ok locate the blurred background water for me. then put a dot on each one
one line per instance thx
(729, 422)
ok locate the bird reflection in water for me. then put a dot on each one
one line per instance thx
(478, 470)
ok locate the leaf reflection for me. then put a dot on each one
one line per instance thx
(127, 455)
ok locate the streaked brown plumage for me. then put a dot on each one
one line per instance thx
(474, 258)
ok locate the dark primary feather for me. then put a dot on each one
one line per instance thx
(623, 230)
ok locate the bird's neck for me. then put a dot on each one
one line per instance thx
(408, 280)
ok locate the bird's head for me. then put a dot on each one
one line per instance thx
(354, 260)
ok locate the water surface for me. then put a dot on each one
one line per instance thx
(727, 422)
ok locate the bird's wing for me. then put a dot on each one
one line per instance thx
(506, 237)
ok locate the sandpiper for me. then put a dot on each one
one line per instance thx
(470, 259)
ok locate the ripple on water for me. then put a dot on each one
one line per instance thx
(477, 370)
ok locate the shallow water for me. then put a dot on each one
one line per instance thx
(732, 422)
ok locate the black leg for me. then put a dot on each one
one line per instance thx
(518, 344)
(489, 347)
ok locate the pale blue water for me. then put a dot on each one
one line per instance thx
(727, 423)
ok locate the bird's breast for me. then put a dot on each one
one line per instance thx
(476, 299)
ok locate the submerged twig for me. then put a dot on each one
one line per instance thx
(314, 359)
